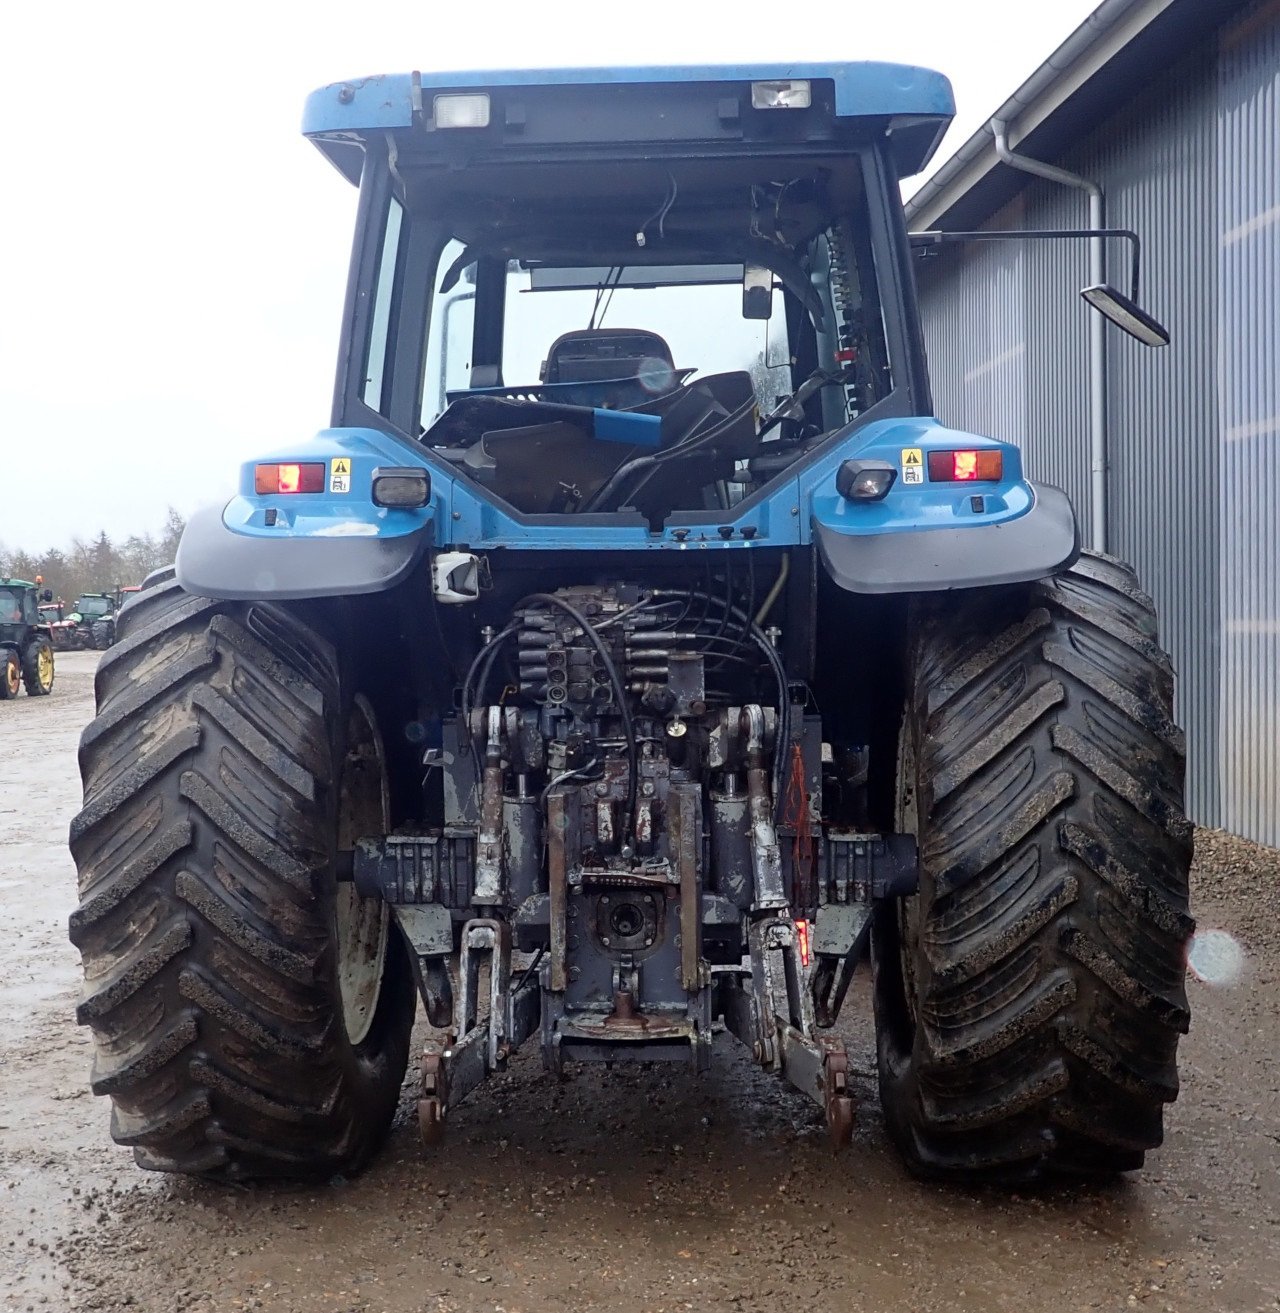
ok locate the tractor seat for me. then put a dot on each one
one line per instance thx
(590, 355)
(695, 407)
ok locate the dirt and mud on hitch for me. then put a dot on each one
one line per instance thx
(641, 917)
(481, 1041)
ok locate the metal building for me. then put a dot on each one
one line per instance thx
(1172, 107)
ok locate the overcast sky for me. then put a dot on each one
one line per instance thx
(174, 252)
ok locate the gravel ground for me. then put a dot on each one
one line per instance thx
(644, 1190)
(1245, 877)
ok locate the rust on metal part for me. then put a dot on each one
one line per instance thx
(681, 829)
(625, 1015)
(557, 886)
(432, 1102)
(838, 1103)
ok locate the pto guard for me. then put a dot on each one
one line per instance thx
(921, 537)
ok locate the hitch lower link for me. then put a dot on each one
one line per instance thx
(770, 1010)
(477, 1046)
(786, 1044)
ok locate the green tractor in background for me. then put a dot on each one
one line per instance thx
(26, 644)
(103, 629)
(94, 617)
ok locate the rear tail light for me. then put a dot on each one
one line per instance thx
(288, 477)
(803, 943)
(983, 466)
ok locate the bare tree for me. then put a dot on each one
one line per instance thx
(96, 566)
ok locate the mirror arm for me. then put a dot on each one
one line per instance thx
(938, 237)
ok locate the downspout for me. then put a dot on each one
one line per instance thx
(1097, 326)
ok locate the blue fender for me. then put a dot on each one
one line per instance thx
(331, 543)
(922, 536)
(926, 536)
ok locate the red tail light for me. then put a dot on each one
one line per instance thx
(289, 477)
(802, 942)
(982, 466)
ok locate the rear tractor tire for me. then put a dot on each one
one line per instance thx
(37, 667)
(10, 673)
(1030, 998)
(250, 1014)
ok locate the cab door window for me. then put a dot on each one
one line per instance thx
(376, 392)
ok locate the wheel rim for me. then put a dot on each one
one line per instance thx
(362, 924)
(12, 675)
(44, 668)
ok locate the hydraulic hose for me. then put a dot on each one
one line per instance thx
(619, 693)
(490, 651)
(780, 676)
(775, 592)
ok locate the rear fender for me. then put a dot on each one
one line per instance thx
(922, 536)
(324, 544)
(927, 536)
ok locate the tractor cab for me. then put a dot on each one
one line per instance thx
(621, 310)
(18, 605)
(632, 300)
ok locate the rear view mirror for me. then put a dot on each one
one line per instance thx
(1123, 311)
(757, 292)
(1126, 314)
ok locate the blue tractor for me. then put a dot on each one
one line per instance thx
(633, 659)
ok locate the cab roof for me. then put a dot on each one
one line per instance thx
(914, 105)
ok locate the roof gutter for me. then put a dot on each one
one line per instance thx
(1111, 27)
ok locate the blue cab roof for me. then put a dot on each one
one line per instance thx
(861, 89)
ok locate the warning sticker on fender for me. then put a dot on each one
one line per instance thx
(340, 474)
(912, 465)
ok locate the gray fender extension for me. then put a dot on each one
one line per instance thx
(1042, 542)
(215, 562)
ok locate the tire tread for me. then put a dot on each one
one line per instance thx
(1054, 901)
(203, 923)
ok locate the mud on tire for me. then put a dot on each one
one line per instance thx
(1029, 1001)
(208, 902)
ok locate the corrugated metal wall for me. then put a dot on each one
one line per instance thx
(1193, 164)
(1248, 311)
(975, 333)
(1156, 163)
